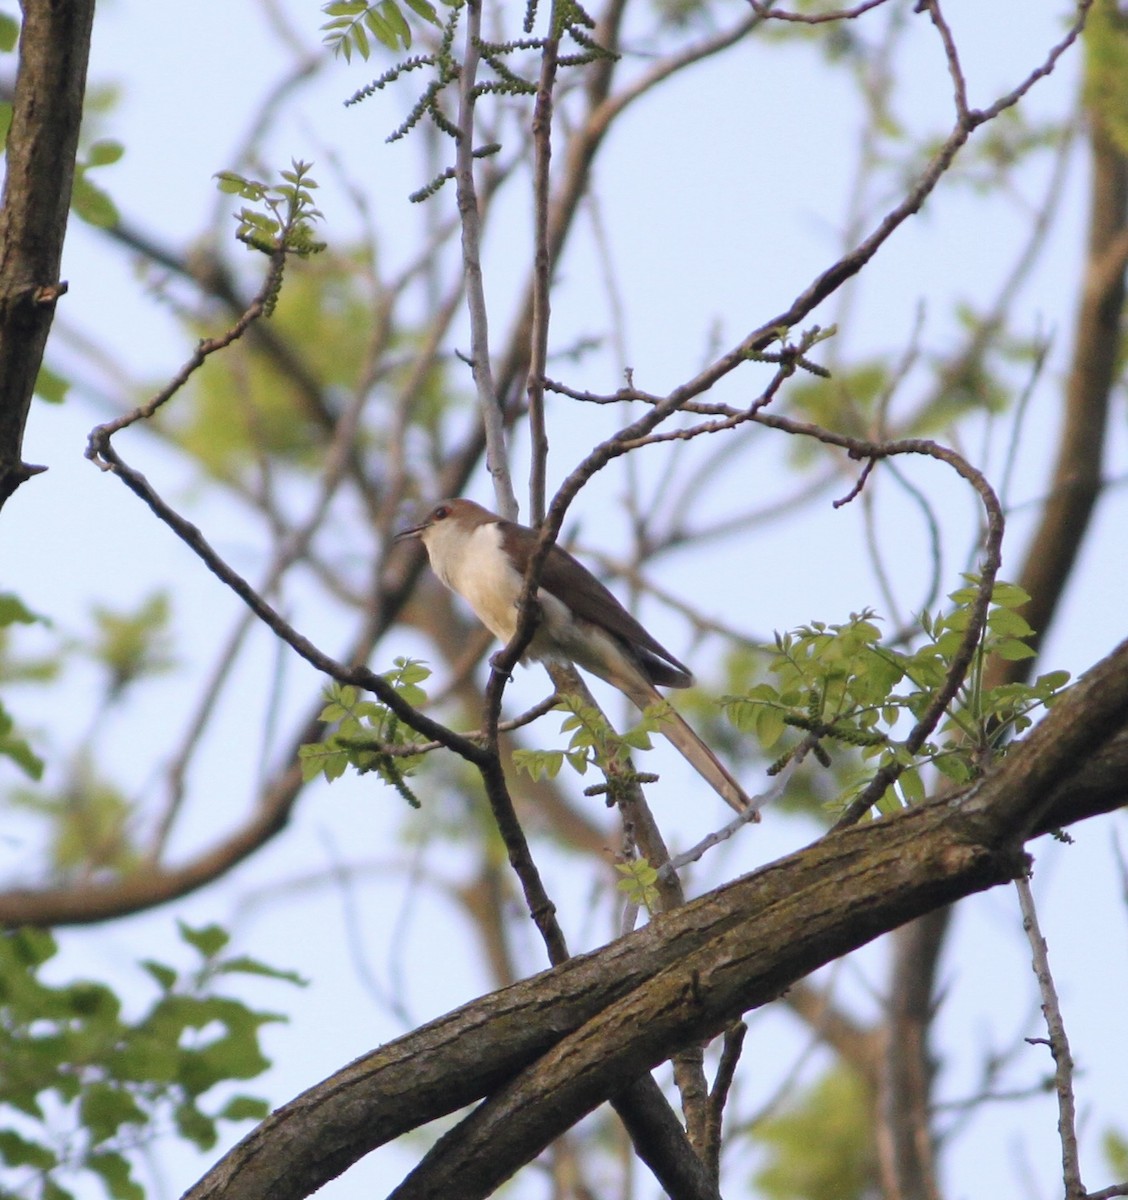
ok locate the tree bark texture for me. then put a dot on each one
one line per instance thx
(46, 113)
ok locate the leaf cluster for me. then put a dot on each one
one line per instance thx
(82, 1084)
(593, 742)
(283, 220)
(569, 19)
(132, 646)
(352, 22)
(838, 684)
(639, 882)
(90, 820)
(367, 733)
(89, 201)
(821, 1145)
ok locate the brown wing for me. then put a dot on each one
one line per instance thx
(591, 601)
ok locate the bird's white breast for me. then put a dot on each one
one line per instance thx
(477, 567)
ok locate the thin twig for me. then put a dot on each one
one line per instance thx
(1059, 1043)
(542, 270)
(293, 548)
(493, 419)
(410, 749)
(955, 70)
(718, 1096)
(751, 813)
(762, 9)
(101, 434)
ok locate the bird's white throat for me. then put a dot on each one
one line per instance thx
(478, 569)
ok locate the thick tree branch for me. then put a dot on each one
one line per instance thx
(560, 1043)
(1096, 362)
(906, 1148)
(47, 110)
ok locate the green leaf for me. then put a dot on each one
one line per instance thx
(322, 758)
(912, 786)
(578, 761)
(17, 1151)
(1013, 650)
(13, 611)
(954, 766)
(380, 28)
(539, 764)
(234, 184)
(104, 152)
(638, 882)
(92, 204)
(1009, 595)
(166, 977)
(425, 10)
(209, 940)
(1007, 623)
(1115, 1147)
(134, 645)
(105, 1108)
(638, 739)
(50, 386)
(395, 19)
(819, 1145)
(30, 947)
(15, 747)
(769, 725)
(242, 965)
(115, 1172)
(195, 1126)
(9, 32)
(244, 1108)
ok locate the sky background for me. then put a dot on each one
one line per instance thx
(722, 197)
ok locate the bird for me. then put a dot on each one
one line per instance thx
(483, 558)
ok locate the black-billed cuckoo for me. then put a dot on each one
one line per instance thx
(483, 558)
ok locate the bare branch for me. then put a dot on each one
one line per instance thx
(489, 403)
(542, 269)
(718, 1096)
(1059, 1043)
(766, 10)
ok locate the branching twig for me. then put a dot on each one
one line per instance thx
(718, 1095)
(858, 448)
(1058, 1043)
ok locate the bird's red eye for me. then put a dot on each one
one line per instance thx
(442, 512)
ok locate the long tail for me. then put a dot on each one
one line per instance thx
(682, 737)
